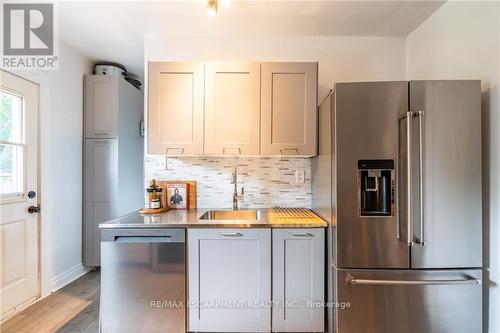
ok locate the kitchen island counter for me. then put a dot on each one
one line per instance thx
(191, 219)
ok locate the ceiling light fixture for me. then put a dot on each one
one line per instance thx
(213, 5)
(212, 8)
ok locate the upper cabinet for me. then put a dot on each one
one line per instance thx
(175, 112)
(289, 108)
(232, 108)
(101, 106)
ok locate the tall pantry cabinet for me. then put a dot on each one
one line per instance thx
(113, 156)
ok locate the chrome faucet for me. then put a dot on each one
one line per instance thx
(236, 196)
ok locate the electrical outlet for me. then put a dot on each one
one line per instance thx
(300, 176)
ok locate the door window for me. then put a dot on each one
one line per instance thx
(12, 146)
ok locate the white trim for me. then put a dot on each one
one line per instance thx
(67, 277)
(19, 308)
(56, 283)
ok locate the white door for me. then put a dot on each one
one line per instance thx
(18, 191)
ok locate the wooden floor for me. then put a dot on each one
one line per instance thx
(74, 308)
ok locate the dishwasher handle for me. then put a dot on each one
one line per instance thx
(143, 239)
(143, 235)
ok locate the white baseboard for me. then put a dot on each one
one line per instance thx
(67, 277)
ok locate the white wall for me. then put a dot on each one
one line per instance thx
(461, 41)
(61, 126)
(340, 59)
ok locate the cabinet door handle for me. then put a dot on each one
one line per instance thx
(284, 150)
(181, 150)
(304, 234)
(231, 234)
(100, 133)
(224, 150)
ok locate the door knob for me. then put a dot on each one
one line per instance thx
(33, 209)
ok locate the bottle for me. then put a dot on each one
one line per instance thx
(154, 195)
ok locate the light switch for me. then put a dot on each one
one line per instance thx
(299, 176)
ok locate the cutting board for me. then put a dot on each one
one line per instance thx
(295, 215)
(191, 191)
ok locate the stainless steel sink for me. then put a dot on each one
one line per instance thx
(232, 215)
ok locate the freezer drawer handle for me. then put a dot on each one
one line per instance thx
(143, 239)
(466, 280)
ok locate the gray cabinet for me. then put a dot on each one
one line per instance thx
(289, 109)
(175, 108)
(232, 265)
(232, 108)
(101, 106)
(100, 175)
(298, 280)
(113, 150)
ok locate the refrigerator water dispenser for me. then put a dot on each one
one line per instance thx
(376, 187)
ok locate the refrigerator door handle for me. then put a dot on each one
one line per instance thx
(408, 117)
(409, 131)
(466, 280)
(421, 239)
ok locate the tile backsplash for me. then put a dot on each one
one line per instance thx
(268, 181)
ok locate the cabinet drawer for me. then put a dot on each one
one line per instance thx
(393, 301)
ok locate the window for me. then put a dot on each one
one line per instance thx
(12, 145)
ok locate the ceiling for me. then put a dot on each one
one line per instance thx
(115, 30)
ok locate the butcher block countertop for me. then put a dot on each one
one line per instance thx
(268, 218)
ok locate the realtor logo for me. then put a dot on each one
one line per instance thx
(28, 36)
(28, 29)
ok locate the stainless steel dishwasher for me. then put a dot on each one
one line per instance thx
(143, 280)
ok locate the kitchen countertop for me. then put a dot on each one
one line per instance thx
(190, 219)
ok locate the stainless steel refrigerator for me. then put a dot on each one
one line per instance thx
(398, 178)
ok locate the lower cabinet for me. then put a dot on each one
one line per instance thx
(100, 184)
(237, 277)
(229, 276)
(298, 280)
